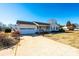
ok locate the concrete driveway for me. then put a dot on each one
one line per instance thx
(40, 46)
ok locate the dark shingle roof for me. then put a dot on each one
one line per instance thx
(41, 23)
(32, 23)
(24, 22)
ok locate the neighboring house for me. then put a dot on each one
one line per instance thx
(53, 25)
(26, 27)
(77, 27)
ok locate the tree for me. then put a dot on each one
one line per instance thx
(68, 23)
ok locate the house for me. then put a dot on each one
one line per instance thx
(54, 26)
(26, 27)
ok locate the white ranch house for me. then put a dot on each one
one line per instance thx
(26, 27)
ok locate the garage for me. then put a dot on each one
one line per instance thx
(27, 30)
(26, 27)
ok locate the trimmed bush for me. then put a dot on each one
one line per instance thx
(7, 30)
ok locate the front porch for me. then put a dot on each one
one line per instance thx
(43, 29)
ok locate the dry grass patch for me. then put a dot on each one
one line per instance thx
(71, 38)
(8, 40)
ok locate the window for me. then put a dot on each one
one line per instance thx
(57, 28)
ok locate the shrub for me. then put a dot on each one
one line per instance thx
(7, 30)
(61, 30)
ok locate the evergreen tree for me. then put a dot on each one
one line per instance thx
(68, 23)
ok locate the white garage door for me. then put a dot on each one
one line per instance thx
(27, 30)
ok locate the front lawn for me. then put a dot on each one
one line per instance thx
(70, 38)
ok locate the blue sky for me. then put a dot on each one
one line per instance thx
(42, 12)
